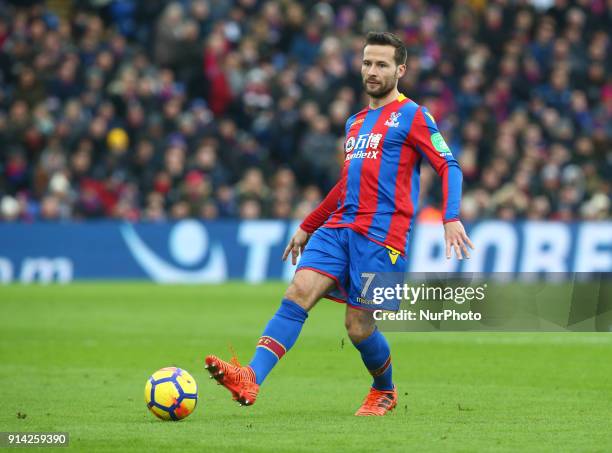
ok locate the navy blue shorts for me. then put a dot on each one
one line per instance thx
(360, 267)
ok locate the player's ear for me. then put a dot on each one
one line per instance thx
(400, 71)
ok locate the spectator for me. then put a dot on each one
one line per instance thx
(237, 109)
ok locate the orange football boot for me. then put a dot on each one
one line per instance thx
(378, 402)
(238, 379)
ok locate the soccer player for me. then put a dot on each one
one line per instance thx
(361, 227)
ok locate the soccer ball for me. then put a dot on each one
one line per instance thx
(171, 393)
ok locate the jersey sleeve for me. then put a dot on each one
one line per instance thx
(427, 140)
(322, 212)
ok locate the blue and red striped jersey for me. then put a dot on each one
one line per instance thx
(378, 191)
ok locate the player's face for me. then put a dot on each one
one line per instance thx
(379, 73)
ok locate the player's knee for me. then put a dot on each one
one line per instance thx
(298, 293)
(357, 329)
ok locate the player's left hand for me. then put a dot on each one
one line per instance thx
(456, 238)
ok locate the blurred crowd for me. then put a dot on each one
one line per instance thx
(150, 110)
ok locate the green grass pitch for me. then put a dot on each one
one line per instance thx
(75, 359)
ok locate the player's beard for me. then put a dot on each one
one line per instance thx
(382, 89)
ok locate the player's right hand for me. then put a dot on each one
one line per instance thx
(296, 245)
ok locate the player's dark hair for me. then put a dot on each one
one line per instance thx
(385, 38)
